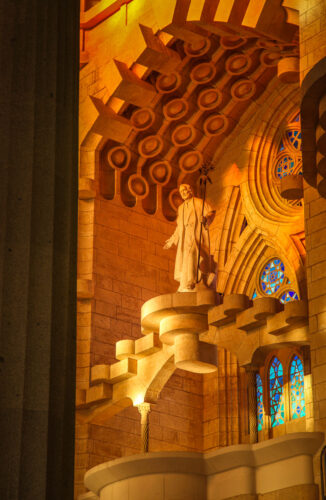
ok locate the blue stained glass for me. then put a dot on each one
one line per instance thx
(254, 295)
(276, 392)
(260, 405)
(297, 118)
(288, 296)
(272, 276)
(297, 399)
(281, 148)
(294, 137)
(285, 166)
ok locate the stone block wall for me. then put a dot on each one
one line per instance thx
(312, 34)
(315, 218)
(194, 412)
(130, 267)
(224, 395)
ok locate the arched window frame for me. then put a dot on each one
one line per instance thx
(283, 395)
(290, 387)
(285, 356)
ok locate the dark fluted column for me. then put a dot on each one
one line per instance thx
(38, 224)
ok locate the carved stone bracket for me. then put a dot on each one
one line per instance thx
(183, 330)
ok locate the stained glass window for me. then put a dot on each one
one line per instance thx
(288, 296)
(285, 166)
(288, 160)
(297, 401)
(254, 295)
(276, 392)
(260, 406)
(294, 137)
(272, 276)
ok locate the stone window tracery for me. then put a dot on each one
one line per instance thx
(260, 404)
(272, 276)
(272, 281)
(288, 296)
(276, 393)
(288, 160)
(297, 399)
(280, 392)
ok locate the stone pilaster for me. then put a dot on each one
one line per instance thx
(38, 222)
(252, 405)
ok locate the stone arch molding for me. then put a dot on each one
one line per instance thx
(254, 222)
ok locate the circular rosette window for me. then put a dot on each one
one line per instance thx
(272, 277)
(288, 160)
(284, 165)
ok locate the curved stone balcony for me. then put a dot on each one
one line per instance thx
(278, 468)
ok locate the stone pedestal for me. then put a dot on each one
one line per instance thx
(179, 319)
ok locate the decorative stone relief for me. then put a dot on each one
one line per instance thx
(179, 113)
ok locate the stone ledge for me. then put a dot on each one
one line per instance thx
(241, 469)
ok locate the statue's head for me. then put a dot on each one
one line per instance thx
(186, 191)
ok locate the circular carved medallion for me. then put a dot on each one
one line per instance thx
(160, 172)
(138, 186)
(191, 161)
(119, 157)
(150, 146)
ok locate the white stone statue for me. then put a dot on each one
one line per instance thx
(187, 236)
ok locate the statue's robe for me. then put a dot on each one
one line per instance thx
(186, 237)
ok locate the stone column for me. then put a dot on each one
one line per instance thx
(144, 409)
(252, 405)
(38, 222)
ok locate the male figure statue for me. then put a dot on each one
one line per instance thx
(187, 236)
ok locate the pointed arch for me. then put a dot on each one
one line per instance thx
(260, 404)
(297, 396)
(276, 392)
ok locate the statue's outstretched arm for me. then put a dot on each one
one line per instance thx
(173, 240)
